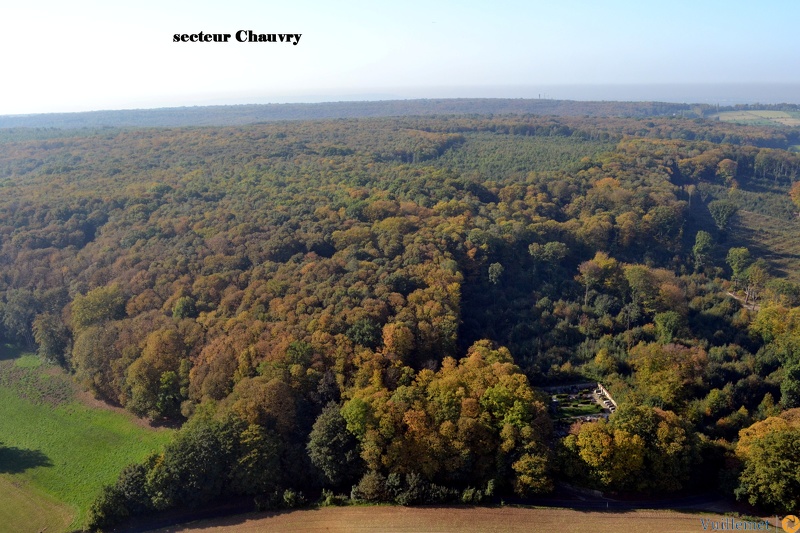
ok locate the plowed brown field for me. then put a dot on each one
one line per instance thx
(438, 519)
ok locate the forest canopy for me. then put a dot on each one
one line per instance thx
(372, 306)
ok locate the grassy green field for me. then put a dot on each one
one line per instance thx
(57, 451)
(760, 117)
(580, 409)
(26, 509)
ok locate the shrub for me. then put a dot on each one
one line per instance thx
(371, 488)
(471, 496)
(414, 492)
(108, 509)
(292, 499)
(329, 499)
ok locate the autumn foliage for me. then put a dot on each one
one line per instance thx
(370, 305)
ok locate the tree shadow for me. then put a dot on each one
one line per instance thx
(10, 351)
(15, 460)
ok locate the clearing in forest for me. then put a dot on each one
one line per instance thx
(760, 117)
(56, 452)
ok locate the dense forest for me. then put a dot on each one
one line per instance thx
(232, 115)
(371, 308)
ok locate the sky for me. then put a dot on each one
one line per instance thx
(81, 55)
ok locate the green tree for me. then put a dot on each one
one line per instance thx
(726, 169)
(18, 314)
(701, 250)
(169, 399)
(153, 380)
(770, 477)
(548, 255)
(195, 467)
(184, 308)
(257, 465)
(108, 509)
(738, 259)
(365, 332)
(666, 373)
(601, 270)
(97, 306)
(334, 450)
(614, 458)
(495, 273)
(668, 324)
(52, 337)
(591, 273)
(643, 286)
(670, 445)
(790, 387)
(96, 359)
(550, 252)
(665, 223)
(639, 448)
(756, 277)
(722, 211)
(132, 484)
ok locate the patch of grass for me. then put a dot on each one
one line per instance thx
(55, 445)
(763, 117)
(580, 404)
(28, 360)
(771, 114)
(25, 509)
(580, 409)
(30, 379)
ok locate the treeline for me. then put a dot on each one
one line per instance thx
(711, 109)
(364, 306)
(231, 115)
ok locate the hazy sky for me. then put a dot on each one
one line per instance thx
(84, 55)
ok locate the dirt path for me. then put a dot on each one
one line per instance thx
(751, 306)
(452, 519)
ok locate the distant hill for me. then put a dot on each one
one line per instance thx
(231, 115)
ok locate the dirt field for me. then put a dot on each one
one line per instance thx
(760, 117)
(477, 520)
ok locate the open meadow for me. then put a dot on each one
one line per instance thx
(760, 118)
(57, 450)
